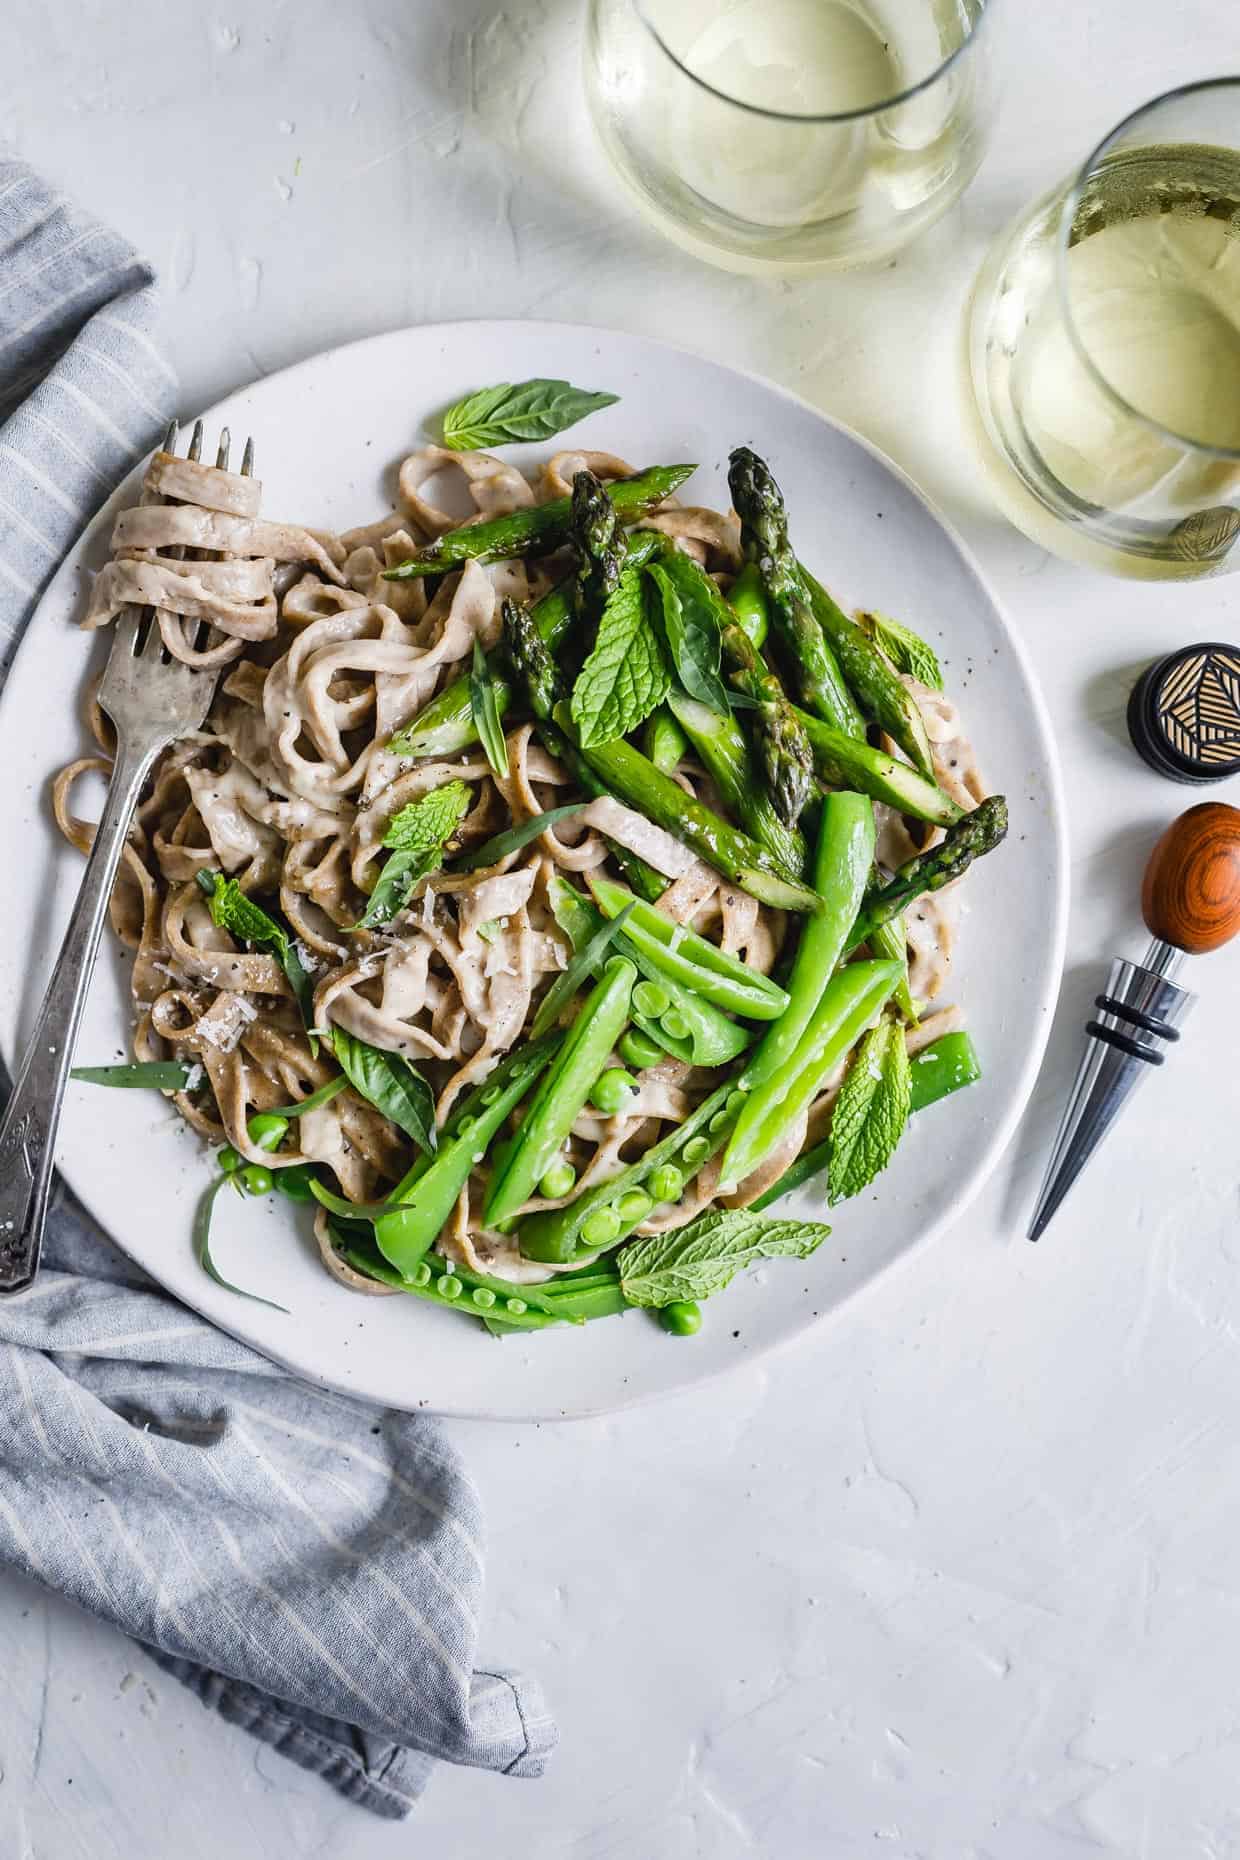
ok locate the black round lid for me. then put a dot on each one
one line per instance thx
(1184, 713)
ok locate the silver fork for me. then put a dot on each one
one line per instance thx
(152, 699)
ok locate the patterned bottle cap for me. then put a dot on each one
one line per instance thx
(1184, 713)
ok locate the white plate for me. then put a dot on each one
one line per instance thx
(328, 434)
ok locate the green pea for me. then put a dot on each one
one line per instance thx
(450, 1286)
(267, 1130)
(256, 1179)
(294, 1183)
(421, 1274)
(650, 1000)
(560, 1180)
(674, 1024)
(634, 1207)
(517, 1306)
(483, 1297)
(600, 1227)
(228, 1159)
(666, 1183)
(683, 1319)
(735, 1100)
(639, 1050)
(720, 1118)
(612, 1090)
(696, 1150)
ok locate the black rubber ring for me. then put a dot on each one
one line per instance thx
(1148, 1022)
(1121, 1040)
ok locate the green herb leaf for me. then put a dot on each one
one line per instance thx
(486, 712)
(429, 822)
(233, 911)
(417, 836)
(583, 963)
(691, 633)
(871, 1111)
(202, 1248)
(392, 1084)
(149, 1075)
(323, 1095)
(535, 409)
(700, 1259)
(492, 929)
(355, 1210)
(626, 675)
(907, 651)
(513, 838)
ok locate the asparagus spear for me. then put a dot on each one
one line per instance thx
(538, 529)
(811, 664)
(846, 763)
(972, 835)
(725, 757)
(601, 545)
(881, 695)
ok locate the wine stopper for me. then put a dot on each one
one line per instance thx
(1190, 901)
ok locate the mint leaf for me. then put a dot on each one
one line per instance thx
(871, 1111)
(691, 630)
(535, 409)
(485, 712)
(626, 675)
(697, 1260)
(429, 822)
(392, 1084)
(233, 911)
(907, 651)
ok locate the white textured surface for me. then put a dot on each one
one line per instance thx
(955, 1580)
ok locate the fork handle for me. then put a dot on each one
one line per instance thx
(28, 1132)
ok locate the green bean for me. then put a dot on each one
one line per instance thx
(563, 1091)
(556, 1235)
(683, 1318)
(747, 599)
(849, 1003)
(433, 1185)
(663, 740)
(843, 860)
(945, 1066)
(674, 950)
(637, 1049)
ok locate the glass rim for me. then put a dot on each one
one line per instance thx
(1072, 200)
(816, 116)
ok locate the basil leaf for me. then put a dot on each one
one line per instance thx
(202, 1248)
(907, 651)
(486, 712)
(535, 409)
(691, 631)
(392, 1084)
(700, 1259)
(513, 838)
(150, 1075)
(626, 675)
(233, 911)
(871, 1111)
(569, 981)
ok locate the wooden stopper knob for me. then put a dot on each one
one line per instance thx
(1191, 893)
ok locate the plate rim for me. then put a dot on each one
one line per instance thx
(1004, 1128)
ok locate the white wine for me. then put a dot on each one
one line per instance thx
(1111, 368)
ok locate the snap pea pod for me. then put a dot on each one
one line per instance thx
(453, 1287)
(890, 941)
(843, 861)
(680, 953)
(945, 1066)
(850, 1001)
(563, 1091)
(445, 726)
(538, 528)
(684, 1025)
(663, 740)
(431, 1192)
(877, 688)
(846, 763)
(747, 599)
(606, 1214)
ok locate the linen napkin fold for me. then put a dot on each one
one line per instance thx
(310, 1567)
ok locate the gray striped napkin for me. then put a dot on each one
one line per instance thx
(311, 1568)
